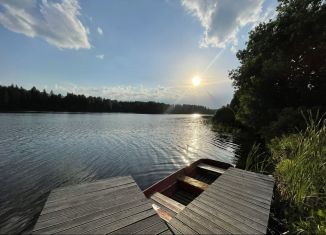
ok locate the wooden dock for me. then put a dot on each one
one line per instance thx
(238, 202)
(116, 205)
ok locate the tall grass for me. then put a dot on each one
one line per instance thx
(300, 172)
(258, 160)
(298, 163)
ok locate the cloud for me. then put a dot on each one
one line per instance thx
(222, 19)
(269, 14)
(56, 22)
(124, 93)
(100, 31)
(233, 49)
(100, 57)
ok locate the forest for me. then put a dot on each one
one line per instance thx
(15, 99)
(280, 100)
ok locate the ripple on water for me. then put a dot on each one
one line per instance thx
(40, 152)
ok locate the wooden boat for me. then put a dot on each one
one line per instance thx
(170, 195)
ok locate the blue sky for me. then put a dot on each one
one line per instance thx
(127, 49)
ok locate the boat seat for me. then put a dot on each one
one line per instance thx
(211, 168)
(193, 182)
(167, 202)
(163, 214)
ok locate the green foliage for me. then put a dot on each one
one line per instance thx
(282, 73)
(289, 120)
(13, 98)
(283, 66)
(258, 160)
(300, 161)
(225, 115)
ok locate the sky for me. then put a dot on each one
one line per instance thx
(128, 49)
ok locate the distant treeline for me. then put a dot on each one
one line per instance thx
(13, 98)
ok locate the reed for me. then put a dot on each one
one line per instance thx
(258, 160)
(300, 172)
(298, 163)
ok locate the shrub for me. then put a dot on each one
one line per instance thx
(289, 120)
(225, 115)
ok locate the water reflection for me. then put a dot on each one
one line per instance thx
(39, 152)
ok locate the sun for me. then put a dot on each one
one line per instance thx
(196, 81)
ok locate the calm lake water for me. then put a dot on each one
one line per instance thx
(42, 151)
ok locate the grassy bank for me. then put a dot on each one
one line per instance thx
(298, 163)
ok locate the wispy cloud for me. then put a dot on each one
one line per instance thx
(124, 93)
(269, 14)
(100, 31)
(222, 19)
(57, 22)
(100, 57)
(233, 49)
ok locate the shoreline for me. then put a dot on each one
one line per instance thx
(82, 112)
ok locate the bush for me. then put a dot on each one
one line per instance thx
(225, 115)
(289, 120)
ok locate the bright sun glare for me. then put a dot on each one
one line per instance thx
(196, 81)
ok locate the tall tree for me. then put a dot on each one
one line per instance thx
(283, 64)
(13, 98)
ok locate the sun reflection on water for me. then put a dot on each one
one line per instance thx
(196, 115)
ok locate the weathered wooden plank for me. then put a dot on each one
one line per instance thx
(229, 221)
(249, 174)
(229, 205)
(138, 226)
(205, 212)
(166, 232)
(242, 186)
(248, 182)
(66, 198)
(237, 202)
(85, 199)
(156, 204)
(103, 220)
(211, 168)
(264, 179)
(241, 190)
(237, 215)
(89, 187)
(83, 223)
(168, 202)
(243, 193)
(121, 222)
(193, 182)
(243, 181)
(203, 220)
(254, 174)
(82, 212)
(163, 214)
(89, 205)
(99, 207)
(252, 183)
(173, 229)
(194, 222)
(154, 229)
(250, 203)
(181, 227)
(241, 197)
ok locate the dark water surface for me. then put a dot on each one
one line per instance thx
(40, 152)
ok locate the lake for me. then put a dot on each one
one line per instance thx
(42, 151)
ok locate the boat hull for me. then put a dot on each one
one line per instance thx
(170, 183)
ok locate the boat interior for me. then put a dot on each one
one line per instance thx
(170, 195)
